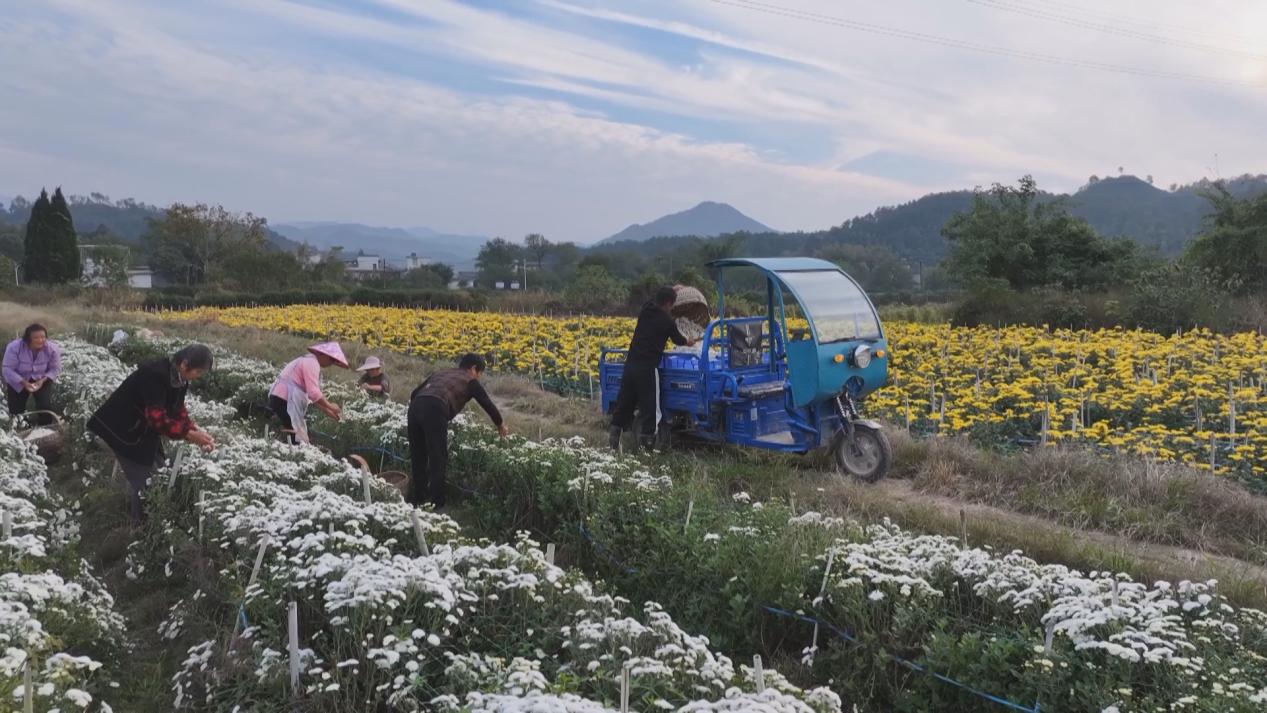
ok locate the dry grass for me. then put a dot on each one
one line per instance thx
(1167, 504)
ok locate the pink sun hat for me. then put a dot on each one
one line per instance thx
(332, 350)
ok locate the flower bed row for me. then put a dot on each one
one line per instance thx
(56, 618)
(391, 613)
(745, 571)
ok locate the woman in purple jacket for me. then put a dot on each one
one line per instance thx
(31, 365)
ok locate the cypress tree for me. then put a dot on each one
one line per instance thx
(65, 245)
(35, 246)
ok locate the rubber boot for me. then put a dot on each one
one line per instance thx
(613, 438)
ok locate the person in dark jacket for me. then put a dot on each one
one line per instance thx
(146, 408)
(639, 383)
(431, 406)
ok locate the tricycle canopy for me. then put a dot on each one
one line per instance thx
(843, 332)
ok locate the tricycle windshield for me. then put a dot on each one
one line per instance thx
(834, 303)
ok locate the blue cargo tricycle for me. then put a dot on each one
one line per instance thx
(787, 381)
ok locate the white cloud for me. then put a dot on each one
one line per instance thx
(270, 107)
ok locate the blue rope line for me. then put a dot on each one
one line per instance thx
(907, 663)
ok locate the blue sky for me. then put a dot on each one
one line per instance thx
(575, 118)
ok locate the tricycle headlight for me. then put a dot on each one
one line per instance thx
(862, 356)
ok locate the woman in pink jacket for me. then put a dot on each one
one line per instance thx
(299, 384)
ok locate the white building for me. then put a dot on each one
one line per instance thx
(415, 261)
(368, 266)
(140, 278)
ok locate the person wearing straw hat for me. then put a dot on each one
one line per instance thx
(299, 384)
(373, 381)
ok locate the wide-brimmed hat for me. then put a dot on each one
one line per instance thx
(370, 363)
(332, 350)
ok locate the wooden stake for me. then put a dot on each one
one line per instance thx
(1231, 411)
(1214, 444)
(422, 538)
(690, 508)
(365, 485)
(758, 673)
(550, 553)
(6, 524)
(292, 629)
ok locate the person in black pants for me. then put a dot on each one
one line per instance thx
(639, 383)
(146, 408)
(431, 406)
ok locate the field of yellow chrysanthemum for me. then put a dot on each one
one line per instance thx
(1198, 397)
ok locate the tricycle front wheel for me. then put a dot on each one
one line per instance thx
(867, 458)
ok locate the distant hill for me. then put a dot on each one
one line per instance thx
(395, 244)
(1122, 206)
(708, 219)
(126, 219)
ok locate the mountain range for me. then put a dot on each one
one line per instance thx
(706, 220)
(394, 244)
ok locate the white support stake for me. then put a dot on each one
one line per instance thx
(690, 510)
(6, 525)
(202, 505)
(550, 553)
(758, 673)
(259, 562)
(365, 485)
(28, 691)
(963, 529)
(292, 627)
(177, 461)
(422, 538)
(624, 688)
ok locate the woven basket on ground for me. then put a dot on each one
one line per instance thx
(49, 440)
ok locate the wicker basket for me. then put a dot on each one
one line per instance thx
(397, 479)
(49, 440)
(691, 312)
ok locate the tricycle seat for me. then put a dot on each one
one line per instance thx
(762, 389)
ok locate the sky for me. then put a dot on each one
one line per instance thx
(576, 118)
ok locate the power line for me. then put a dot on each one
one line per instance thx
(1112, 29)
(883, 30)
(1142, 22)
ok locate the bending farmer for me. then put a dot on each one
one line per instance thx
(31, 365)
(431, 406)
(300, 384)
(148, 406)
(640, 384)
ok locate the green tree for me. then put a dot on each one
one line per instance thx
(496, 262)
(594, 290)
(193, 244)
(875, 267)
(1009, 235)
(538, 246)
(1233, 247)
(37, 241)
(8, 268)
(107, 266)
(63, 251)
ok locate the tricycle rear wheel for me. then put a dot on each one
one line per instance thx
(867, 458)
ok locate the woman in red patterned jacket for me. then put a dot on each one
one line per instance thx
(148, 406)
